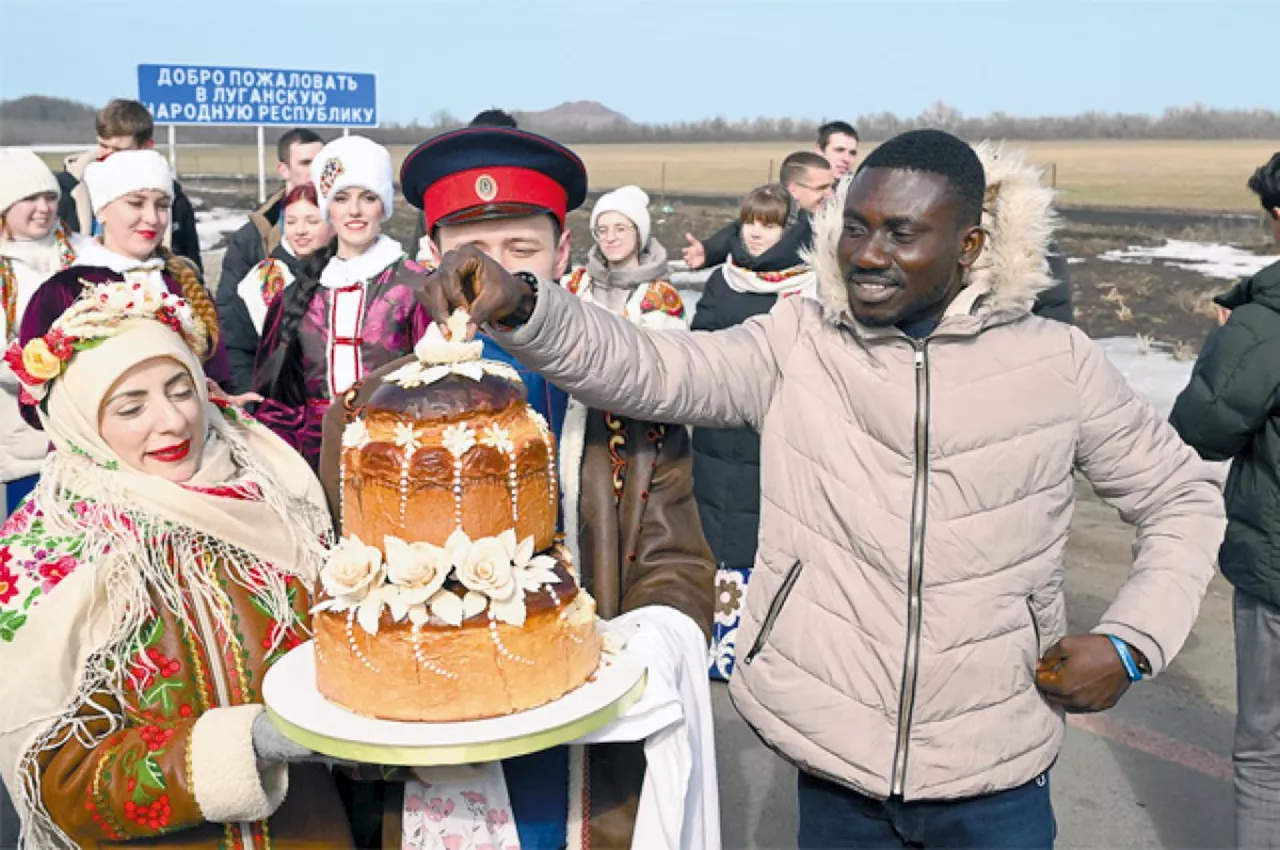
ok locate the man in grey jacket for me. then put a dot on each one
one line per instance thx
(907, 630)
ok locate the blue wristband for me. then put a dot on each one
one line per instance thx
(1126, 658)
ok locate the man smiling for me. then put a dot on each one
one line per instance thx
(905, 637)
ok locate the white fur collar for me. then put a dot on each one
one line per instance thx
(382, 253)
(1013, 268)
(94, 253)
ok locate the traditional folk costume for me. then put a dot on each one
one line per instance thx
(634, 534)
(643, 294)
(360, 316)
(243, 312)
(138, 615)
(25, 264)
(264, 283)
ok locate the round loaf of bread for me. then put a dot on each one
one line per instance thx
(483, 668)
(422, 462)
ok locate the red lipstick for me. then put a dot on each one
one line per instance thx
(173, 454)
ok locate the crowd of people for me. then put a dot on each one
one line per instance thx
(849, 472)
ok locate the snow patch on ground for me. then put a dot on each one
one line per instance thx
(215, 225)
(1155, 374)
(689, 283)
(1224, 262)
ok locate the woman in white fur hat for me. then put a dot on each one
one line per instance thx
(131, 193)
(34, 245)
(626, 269)
(327, 332)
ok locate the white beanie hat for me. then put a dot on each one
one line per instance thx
(350, 161)
(23, 174)
(124, 172)
(630, 201)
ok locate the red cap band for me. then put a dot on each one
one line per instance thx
(481, 187)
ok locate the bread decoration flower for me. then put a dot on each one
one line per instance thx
(419, 581)
(437, 357)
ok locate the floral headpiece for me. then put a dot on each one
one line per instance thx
(89, 322)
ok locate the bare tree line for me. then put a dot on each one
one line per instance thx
(35, 120)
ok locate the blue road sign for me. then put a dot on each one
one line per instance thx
(185, 94)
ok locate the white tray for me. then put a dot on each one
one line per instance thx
(303, 715)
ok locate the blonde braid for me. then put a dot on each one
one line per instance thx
(184, 272)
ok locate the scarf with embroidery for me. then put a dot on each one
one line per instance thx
(79, 587)
(797, 280)
(46, 256)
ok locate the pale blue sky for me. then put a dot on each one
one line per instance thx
(656, 60)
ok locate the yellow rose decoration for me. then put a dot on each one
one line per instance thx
(39, 361)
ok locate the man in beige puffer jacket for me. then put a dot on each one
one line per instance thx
(905, 632)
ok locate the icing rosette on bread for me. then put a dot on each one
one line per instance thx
(437, 357)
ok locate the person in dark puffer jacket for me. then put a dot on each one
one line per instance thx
(1230, 410)
(764, 265)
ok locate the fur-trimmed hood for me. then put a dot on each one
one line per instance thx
(1018, 215)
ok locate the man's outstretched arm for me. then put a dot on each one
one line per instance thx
(721, 379)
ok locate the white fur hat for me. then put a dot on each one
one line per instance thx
(23, 174)
(630, 201)
(353, 161)
(124, 172)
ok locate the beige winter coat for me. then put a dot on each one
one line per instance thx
(916, 500)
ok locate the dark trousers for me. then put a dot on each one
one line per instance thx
(1257, 747)
(835, 817)
(9, 823)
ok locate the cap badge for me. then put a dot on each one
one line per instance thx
(333, 169)
(486, 188)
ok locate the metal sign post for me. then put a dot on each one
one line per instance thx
(262, 166)
(173, 148)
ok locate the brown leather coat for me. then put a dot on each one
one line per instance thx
(180, 756)
(640, 543)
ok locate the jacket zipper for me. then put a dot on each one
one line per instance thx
(775, 608)
(915, 572)
(213, 649)
(1035, 624)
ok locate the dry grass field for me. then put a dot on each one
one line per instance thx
(1181, 175)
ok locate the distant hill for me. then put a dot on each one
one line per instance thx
(45, 120)
(580, 114)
